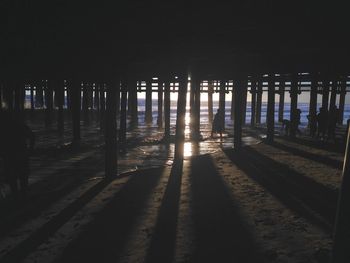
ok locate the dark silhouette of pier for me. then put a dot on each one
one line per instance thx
(110, 148)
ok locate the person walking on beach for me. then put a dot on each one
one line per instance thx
(14, 138)
(296, 121)
(332, 122)
(322, 120)
(217, 126)
(312, 124)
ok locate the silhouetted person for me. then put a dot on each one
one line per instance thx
(217, 126)
(322, 120)
(296, 121)
(14, 138)
(312, 124)
(332, 122)
(286, 126)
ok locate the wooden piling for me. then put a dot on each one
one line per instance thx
(192, 105)
(293, 105)
(233, 102)
(160, 104)
(39, 96)
(9, 95)
(59, 93)
(75, 87)
(196, 108)
(313, 107)
(85, 106)
(102, 90)
(270, 115)
(253, 101)
(325, 94)
(341, 240)
(333, 98)
(19, 96)
(48, 104)
(167, 110)
(133, 103)
(222, 93)
(148, 113)
(32, 106)
(123, 102)
(111, 129)
(342, 101)
(210, 101)
(180, 118)
(240, 88)
(244, 107)
(258, 101)
(281, 92)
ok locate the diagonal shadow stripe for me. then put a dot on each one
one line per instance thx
(221, 234)
(311, 156)
(163, 242)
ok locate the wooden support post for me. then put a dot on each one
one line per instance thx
(75, 90)
(293, 106)
(133, 103)
(85, 106)
(239, 89)
(102, 90)
(253, 102)
(210, 101)
(281, 101)
(180, 118)
(244, 107)
(160, 104)
(111, 129)
(342, 101)
(118, 102)
(19, 99)
(341, 242)
(90, 101)
(270, 116)
(192, 106)
(222, 94)
(332, 101)
(167, 110)
(313, 107)
(96, 98)
(39, 97)
(123, 103)
(8, 96)
(69, 96)
(32, 106)
(60, 101)
(195, 118)
(233, 102)
(258, 102)
(325, 94)
(96, 102)
(48, 104)
(148, 113)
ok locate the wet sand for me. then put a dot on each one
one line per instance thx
(266, 203)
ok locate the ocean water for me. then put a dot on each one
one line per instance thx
(304, 107)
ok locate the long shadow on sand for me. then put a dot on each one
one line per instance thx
(338, 147)
(314, 157)
(105, 238)
(326, 146)
(164, 237)
(219, 229)
(308, 198)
